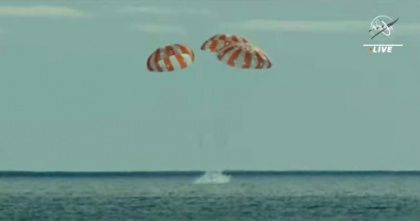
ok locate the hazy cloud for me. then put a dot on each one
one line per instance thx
(40, 11)
(310, 26)
(160, 28)
(165, 11)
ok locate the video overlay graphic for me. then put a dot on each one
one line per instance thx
(382, 25)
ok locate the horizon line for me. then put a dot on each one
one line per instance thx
(11, 173)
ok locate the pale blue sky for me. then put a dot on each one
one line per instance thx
(75, 93)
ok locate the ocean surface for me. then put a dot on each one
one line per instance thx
(335, 196)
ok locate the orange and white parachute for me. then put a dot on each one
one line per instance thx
(218, 41)
(170, 58)
(244, 56)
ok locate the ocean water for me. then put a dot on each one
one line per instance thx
(245, 196)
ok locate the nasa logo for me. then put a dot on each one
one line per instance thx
(382, 24)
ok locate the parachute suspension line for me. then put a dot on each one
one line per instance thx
(200, 82)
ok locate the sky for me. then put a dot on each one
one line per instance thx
(75, 93)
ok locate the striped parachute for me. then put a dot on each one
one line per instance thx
(244, 56)
(170, 58)
(218, 41)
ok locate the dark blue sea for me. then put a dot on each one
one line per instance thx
(285, 196)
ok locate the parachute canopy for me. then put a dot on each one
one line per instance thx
(218, 41)
(244, 56)
(170, 58)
